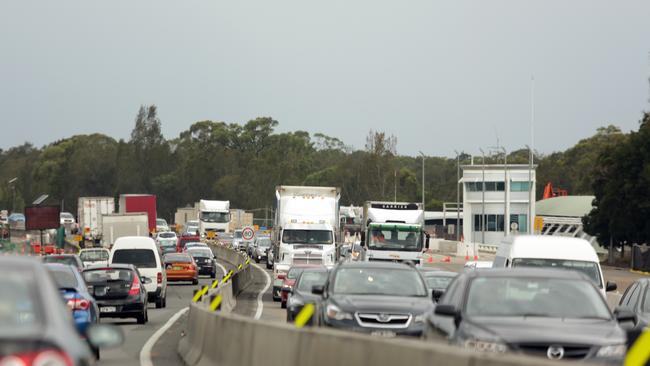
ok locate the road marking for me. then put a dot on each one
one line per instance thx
(223, 269)
(260, 303)
(145, 354)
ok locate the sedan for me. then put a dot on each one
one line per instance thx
(262, 244)
(94, 256)
(383, 299)
(290, 279)
(636, 299)
(75, 294)
(119, 291)
(195, 244)
(301, 294)
(553, 314)
(68, 259)
(205, 261)
(37, 328)
(181, 267)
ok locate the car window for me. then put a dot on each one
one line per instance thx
(309, 279)
(71, 261)
(177, 258)
(107, 275)
(379, 281)
(294, 273)
(202, 253)
(533, 296)
(634, 296)
(590, 269)
(142, 258)
(93, 255)
(166, 235)
(64, 278)
(21, 310)
(646, 300)
(438, 282)
(625, 299)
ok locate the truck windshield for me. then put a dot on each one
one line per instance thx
(219, 217)
(307, 237)
(395, 238)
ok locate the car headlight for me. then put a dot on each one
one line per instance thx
(422, 318)
(485, 346)
(616, 350)
(333, 312)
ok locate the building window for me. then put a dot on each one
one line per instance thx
(522, 222)
(519, 186)
(477, 222)
(489, 186)
(493, 223)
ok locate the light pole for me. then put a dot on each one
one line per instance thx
(483, 198)
(423, 205)
(12, 181)
(458, 196)
(506, 186)
(530, 190)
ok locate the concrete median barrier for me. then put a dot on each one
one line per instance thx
(230, 339)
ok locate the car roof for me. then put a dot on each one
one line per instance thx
(64, 255)
(552, 247)
(59, 267)
(518, 272)
(386, 265)
(114, 265)
(134, 242)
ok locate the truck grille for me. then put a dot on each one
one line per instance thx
(308, 260)
(383, 320)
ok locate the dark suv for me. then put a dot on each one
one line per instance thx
(383, 299)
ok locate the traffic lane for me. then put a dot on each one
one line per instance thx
(136, 335)
(272, 310)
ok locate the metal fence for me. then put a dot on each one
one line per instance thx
(443, 232)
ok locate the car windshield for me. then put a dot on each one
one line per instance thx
(294, 272)
(395, 237)
(544, 297)
(309, 279)
(71, 261)
(94, 255)
(589, 268)
(177, 258)
(21, 310)
(166, 235)
(66, 215)
(379, 281)
(168, 243)
(201, 253)
(307, 237)
(238, 234)
(64, 277)
(218, 217)
(194, 245)
(264, 243)
(161, 222)
(108, 275)
(141, 258)
(438, 282)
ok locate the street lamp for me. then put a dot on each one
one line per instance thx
(423, 156)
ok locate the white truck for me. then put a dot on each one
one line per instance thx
(306, 226)
(116, 226)
(394, 232)
(214, 217)
(89, 213)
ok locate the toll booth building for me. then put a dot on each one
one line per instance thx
(497, 200)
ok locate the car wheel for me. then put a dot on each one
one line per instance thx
(283, 304)
(142, 318)
(268, 265)
(159, 303)
(195, 281)
(165, 301)
(96, 353)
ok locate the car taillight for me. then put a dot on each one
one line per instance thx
(135, 286)
(159, 277)
(192, 267)
(42, 358)
(77, 304)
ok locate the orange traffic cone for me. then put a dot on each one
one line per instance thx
(430, 260)
(447, 259)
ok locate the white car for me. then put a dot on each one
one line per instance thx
(143, 253)
(66, 218)
(161, 225)
(94, 256)
(478, 265)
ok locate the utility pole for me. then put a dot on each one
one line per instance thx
(423, 204)
(395, 183)
(483, 199)
(506, 186)
(458, 196)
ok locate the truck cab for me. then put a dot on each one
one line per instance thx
(394, 232)
(214, 218)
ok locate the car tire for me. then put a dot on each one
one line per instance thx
(195, 281)
(142, 318)
(283, 304)
(268, 265)
(159, 303)
(96, 353)
(165, 301)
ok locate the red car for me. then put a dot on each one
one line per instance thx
(184, 239)
(290, 279)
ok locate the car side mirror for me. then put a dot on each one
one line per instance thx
(437, 294)
(145, 280)
(611, 286)
(450, 311)
(105, 336)
(624, 314)
(318, 290)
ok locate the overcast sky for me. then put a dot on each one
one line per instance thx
(439, 75)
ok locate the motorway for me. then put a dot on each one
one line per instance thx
(162, 350)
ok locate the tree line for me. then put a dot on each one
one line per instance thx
(244, 162)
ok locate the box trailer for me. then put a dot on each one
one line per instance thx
(89, 214)
(131, 203)
(116, 226)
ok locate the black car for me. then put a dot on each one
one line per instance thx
(68, 259)
(554, 314)
(300, 294)
(636, 299)
(119, 291)
(205, 261)
(36, 327)
(384, 299)
(437, 280)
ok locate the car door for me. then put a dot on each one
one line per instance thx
(445, 326)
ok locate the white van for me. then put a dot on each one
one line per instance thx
(143, 253)
(544, 251)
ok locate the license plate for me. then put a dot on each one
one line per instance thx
(383, 333)
(107, 309)
(177, 268)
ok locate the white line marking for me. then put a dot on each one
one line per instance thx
(223, 269)
(145, 354)
(260, 303)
